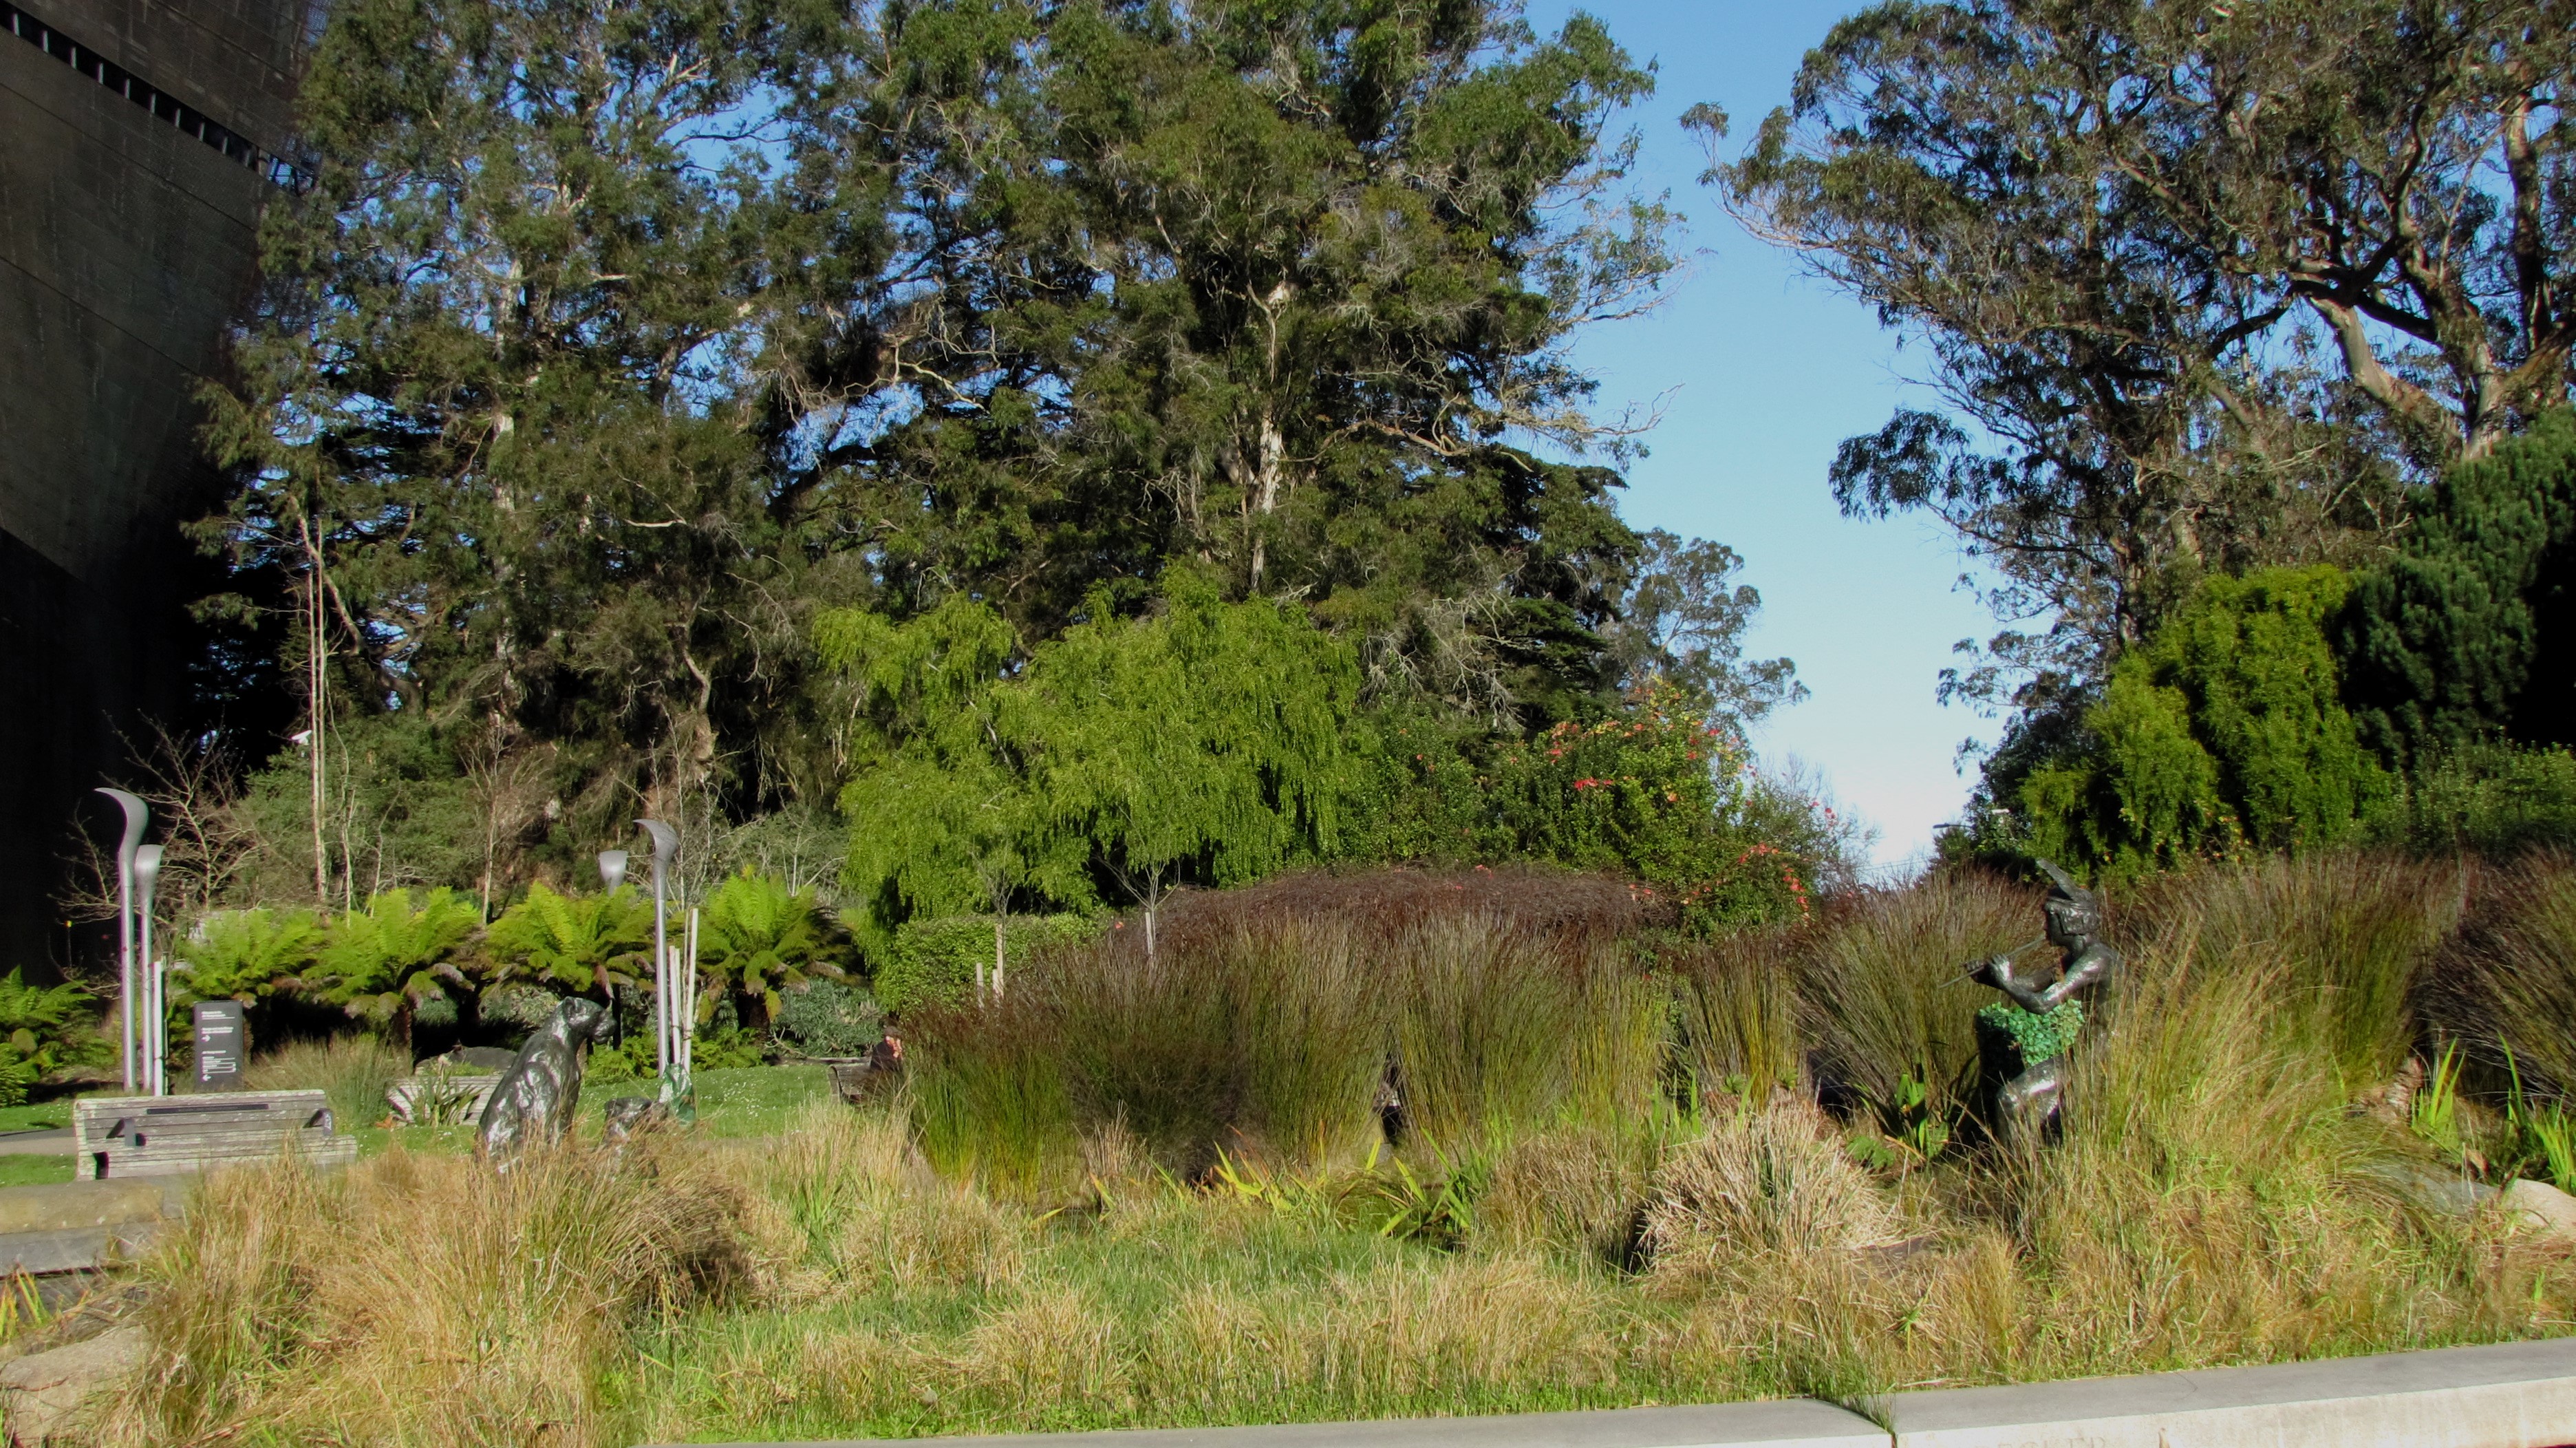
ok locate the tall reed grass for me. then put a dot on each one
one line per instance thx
(1285, 1023)
(354, 1070)
(1880, 995)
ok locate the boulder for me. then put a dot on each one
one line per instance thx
(43, 1391)
(2542, 1208)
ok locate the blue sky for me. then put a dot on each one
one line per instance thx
(1766, 372)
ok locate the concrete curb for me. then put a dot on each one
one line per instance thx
(2510, 1395)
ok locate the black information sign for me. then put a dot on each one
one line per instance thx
(219, 1042)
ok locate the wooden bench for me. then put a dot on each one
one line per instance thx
(131, 1136)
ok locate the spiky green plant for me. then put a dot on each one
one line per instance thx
(246, 955)
(381, 964)
(759, 937)
(581, 943)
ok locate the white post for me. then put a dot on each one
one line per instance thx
(137, 814)
(147, 879)
(666, 846)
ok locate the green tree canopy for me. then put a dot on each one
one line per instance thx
(613, 344)
(1202, 740)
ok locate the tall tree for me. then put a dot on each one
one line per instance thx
(2218, 277)
(1200, 741)
(1266, 286)
(491, 409)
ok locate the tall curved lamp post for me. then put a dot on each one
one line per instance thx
(137, 814)
(673, 995)
(151, 1030)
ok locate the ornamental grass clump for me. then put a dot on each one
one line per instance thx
(423, 1299)
(1292, 1023)
(1880, 995)
(2504, 989)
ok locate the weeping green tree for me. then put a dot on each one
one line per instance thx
(943, 817)
(1205, 740)
(1198, 741)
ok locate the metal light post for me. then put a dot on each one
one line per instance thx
(152, 1042)
(670, 1044)
(137, 814)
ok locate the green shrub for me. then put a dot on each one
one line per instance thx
(45, 1029)
(2223, 730)
(829, 1018)
(2470, 631)
(1657, 791)
(937, 962)
(2492, 797)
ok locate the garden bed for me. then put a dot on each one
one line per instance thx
(1624, 1170)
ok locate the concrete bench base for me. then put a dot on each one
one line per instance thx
(2512, 1395)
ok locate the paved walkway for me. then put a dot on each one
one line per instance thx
(44, 1141)
(2513, 1395)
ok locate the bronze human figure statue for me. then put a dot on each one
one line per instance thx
(2022, 1040)
(534, 1102)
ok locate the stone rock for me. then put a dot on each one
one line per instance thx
(2544, 1209)
(44, 1390)
(477, 1059)
(2533, 1207)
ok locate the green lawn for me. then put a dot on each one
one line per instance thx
(36, 1116)
(19, 1169)
(738, 1102)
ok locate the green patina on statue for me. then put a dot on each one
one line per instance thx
(2022, 1040)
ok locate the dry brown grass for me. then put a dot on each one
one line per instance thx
(422, 1299)
(2507, 982)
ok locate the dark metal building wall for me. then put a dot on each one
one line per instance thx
(126, 244)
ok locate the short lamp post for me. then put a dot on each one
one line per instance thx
(137, 815)
(675, 1016)
(153, 1032)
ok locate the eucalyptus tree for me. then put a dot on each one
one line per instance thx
(493, 412)
(2219, 278)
